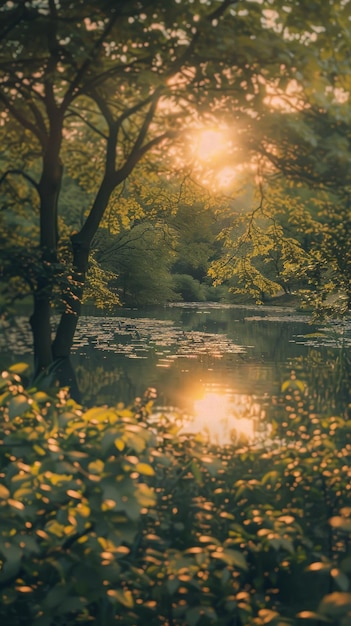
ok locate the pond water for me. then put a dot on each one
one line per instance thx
(202, 358)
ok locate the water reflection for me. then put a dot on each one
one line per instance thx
(319, 387)
(224, 418)
(189, 352)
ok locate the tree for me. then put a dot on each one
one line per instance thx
(297, 240)
(296, 235)
(166, 226)
(113, 83)
(141, 258)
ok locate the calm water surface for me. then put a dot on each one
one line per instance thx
(189, 352)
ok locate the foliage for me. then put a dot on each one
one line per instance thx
(94, 91)
(196, 223)
(295, 236)
(295, 240)
(98, 287)
(329, 374)
(109, 515)
(189, 288)
(141, 258)
(163, 228)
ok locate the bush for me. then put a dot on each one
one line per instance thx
(108, 517)
(189, 288)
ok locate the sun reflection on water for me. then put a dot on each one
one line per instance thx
(227, 417)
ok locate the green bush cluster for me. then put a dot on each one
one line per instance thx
(109, 516)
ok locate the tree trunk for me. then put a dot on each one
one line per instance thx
(81, 243)
(41, 330)
(72, 300)
(72, 297)
(49, 188)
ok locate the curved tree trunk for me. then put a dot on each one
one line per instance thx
(72, 297)
(72, 301)
(61, 347)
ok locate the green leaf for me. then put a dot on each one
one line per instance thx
(18, 405)
(231, 557)
(194, 615)
(55, 596)
(132, 508)
(145, 469)
(4, 492)
(12, 564)
(18, 368)
(96, 467)
(313, 615)
(173, 585)
(271, 477)
(341, 523)
(196, 472)
(335, 604)
(124, 597)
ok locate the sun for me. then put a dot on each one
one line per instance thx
(226, 176)
(210, 144)
(212, 153)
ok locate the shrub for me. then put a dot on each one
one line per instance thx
(108, 516)
(189, 288)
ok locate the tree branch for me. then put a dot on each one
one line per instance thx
(23, 120)
(74, 85)
(74, 113)
(53, 48)
(136, 155)
(112, 72)
(129, 238)
(138, 149)
(17, 15)
(216, 14)
(134, 109)
(20, 173)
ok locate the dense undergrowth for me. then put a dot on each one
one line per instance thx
(107, 517)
